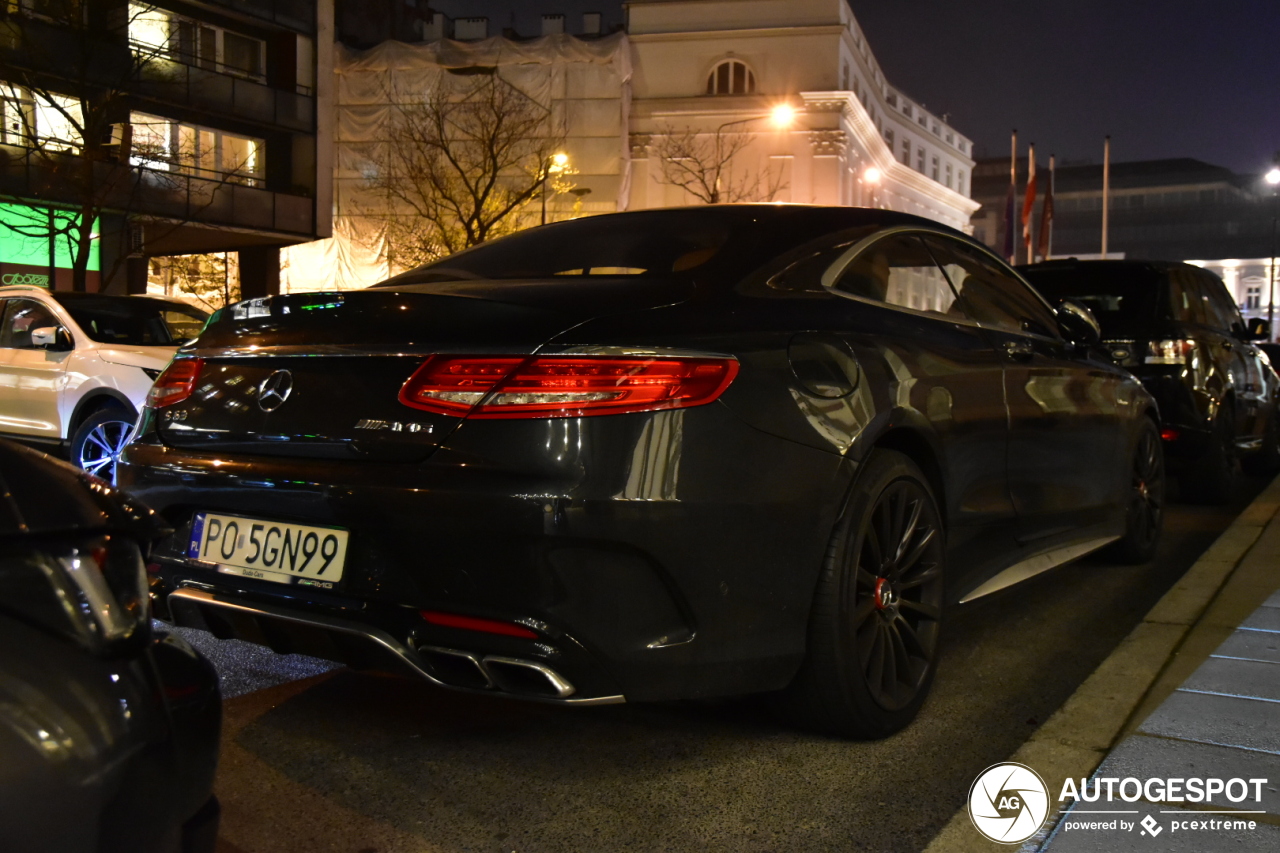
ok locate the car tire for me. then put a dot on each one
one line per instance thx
(1267, 459)
(1144, 507)
(97, 442)
(1211, 479)
(876, 617)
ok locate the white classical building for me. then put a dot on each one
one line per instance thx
(856, 140)
(691, 69)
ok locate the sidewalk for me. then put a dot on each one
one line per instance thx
(1192, 692)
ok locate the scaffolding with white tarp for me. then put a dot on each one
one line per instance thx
(584, 84)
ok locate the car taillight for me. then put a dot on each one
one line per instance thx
(563, 386)
(176, 383)
(1169, 352)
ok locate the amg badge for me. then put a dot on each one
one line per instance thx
(393, 426)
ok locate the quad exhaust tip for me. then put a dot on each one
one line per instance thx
(493, 672)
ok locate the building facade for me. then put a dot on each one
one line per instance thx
(705, 74)
(1175, 209)
(704, 66)
(180, 126)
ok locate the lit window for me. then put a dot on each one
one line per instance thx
(198, 151)
(731, 77)
(156, 31)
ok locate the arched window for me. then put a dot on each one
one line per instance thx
(731, 77)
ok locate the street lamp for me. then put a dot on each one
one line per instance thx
(555, 165)
(1273, 178)
(781, 116)
(871, 178)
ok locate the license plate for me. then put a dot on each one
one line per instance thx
(269, 550)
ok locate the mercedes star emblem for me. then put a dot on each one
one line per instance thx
(274, 390)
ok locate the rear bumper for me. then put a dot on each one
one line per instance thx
(368, 647)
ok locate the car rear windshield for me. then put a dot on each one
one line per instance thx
(133, 320)
(1125, 301)
(652, 245)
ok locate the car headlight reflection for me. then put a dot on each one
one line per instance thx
(93, 591)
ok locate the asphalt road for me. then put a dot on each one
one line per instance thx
(318, 759)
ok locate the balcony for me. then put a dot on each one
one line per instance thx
(172, 82)
(146, 192)
(298, 15)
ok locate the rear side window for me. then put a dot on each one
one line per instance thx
(1219, 310)
(899, 271)
(993, 295)
(1185, 304)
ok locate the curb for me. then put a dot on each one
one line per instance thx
(1080, 734)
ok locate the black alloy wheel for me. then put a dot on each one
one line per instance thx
(1144, 511)
(877, 613)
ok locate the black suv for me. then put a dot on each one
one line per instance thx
(1176, 327)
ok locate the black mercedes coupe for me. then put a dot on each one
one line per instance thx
(654, 455)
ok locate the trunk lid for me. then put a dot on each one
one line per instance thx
(317, 375)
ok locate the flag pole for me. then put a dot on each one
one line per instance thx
(1048, 223)
(1010, 246)
(1029, 206)
(1106, 191)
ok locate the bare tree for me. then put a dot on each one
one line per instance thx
(212, 280)
(459, 167)
(67, 85)
(702, 165)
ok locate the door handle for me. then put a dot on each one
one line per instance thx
(1019, 350)
(1228, 345)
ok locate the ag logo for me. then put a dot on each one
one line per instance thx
(1008, 802)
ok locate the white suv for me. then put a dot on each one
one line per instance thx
(75, 368)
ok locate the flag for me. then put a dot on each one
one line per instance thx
(1045, 243)
(1029, 203)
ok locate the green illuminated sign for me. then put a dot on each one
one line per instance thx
(19, 248)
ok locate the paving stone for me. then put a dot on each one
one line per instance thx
(1254, 645)
(1253, 679)
(1264, 619)
(1168, 838)
(1224, 720)
(1144, 757)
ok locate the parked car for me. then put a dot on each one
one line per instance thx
(75, 368)
(109, 734)
(647, 456)
(1176, 327)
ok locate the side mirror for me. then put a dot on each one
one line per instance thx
(1078, 324)
(1258, 330)
(51, 338)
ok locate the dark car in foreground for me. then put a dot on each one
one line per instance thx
(108, 734)
(647, 456)
(1176, 327)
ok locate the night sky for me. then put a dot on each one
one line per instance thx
(1166, 78)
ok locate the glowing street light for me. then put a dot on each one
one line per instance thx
(783, 116)
(1273, 177)
(871, 178)
(557, 164)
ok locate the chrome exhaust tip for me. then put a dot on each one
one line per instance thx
(523, 677)
(456, 668)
